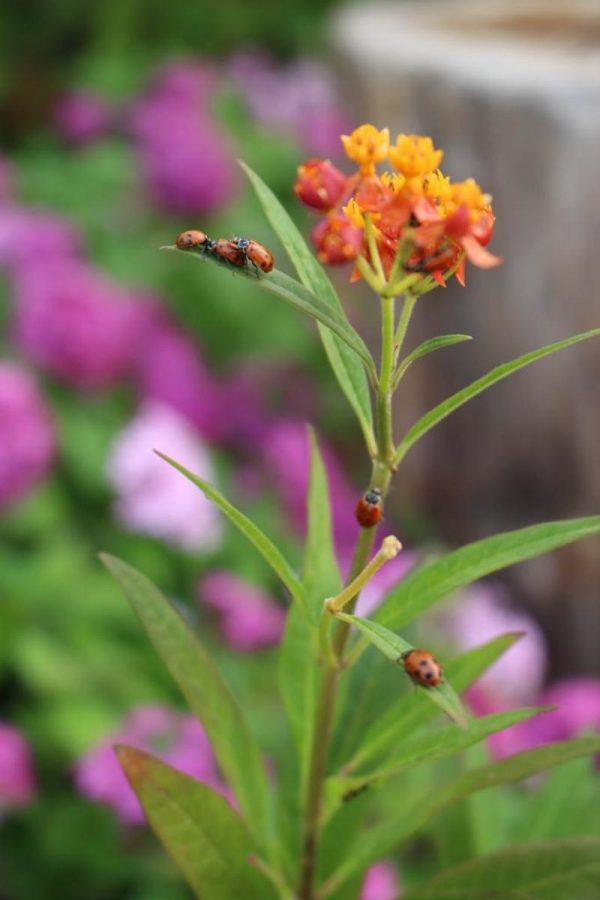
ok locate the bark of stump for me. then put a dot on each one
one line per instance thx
(512, 93)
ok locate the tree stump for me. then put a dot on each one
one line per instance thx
(511, 91)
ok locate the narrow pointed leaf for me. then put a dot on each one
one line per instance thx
(384, 837)
(555, 870)
(428, 747)
(205, 838)
(321, 576)
(440, 412)
(435, 580)
(263, 544)
(430, 346)
(393, 646)
(351, 377)
(411, 711)
(281, 285)
(206, 693)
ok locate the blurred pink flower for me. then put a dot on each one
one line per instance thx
(81, 117)
(185, 160)
(300, 99)
(169, 369)
(154, 498)
(578, 710)
(75, 323)
(286, 457)
(30, 236)
(26, 434)
(177, 739)
(249, 619)
(381, 883)
(17, 779)
(482, 613)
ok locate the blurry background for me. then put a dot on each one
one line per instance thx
(120, 125)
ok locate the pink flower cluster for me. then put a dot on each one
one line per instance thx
(249, 619)
(27, 440)
(82, 117)
(177, 739)
(17, 779)
(186, 164)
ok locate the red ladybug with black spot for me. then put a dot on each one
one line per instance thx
(229, 252)
(193, 240)
(423, 668)
(369, 508)
(260, 257)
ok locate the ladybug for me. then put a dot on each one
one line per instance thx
(369, 508)
(259, 256)
(423, 668)
(228, 251)
(192, 240)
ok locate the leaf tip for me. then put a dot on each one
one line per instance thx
(168, 247)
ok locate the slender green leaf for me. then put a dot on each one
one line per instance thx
(435, 580)
(382, 838)
(263, 544)
(205, 691)
(556, 870)
(281, 285)
(438, 413)
(297, 679)
(312, 275)
(393, 646)
(420, 750)
(411, 711)
(204, 836)
(321, 576)
(430, 346)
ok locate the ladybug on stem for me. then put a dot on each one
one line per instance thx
(259, 256)
(194, 240)
(369, 508)
(422, 668)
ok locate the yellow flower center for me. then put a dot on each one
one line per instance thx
(367, 146)
(415, 155)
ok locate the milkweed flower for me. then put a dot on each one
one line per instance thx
(249, 619)
(27, 442)
(422, 224)
(151, 496)
(17, 779)
(179, 740)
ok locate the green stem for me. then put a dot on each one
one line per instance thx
(373, 250)
(407, 309)
(331, 669)
(384, 395)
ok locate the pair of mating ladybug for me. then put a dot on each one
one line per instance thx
(238, 252)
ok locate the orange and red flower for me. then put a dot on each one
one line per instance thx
(422, 223)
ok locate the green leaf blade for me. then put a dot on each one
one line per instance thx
(430, 346)
(444, 409)
(435, 580)
(205, 838)
(321, 575)
(351, 377)
(206, 693)
(410, 713)
(263, 544)
(554, 870)
(393, 646)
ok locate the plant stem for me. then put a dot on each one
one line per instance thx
(333, 665)
(384, 394)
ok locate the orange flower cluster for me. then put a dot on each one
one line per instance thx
(419, 221)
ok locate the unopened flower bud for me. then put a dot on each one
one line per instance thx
(320, 184)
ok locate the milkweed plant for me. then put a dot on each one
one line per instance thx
(357, 780)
